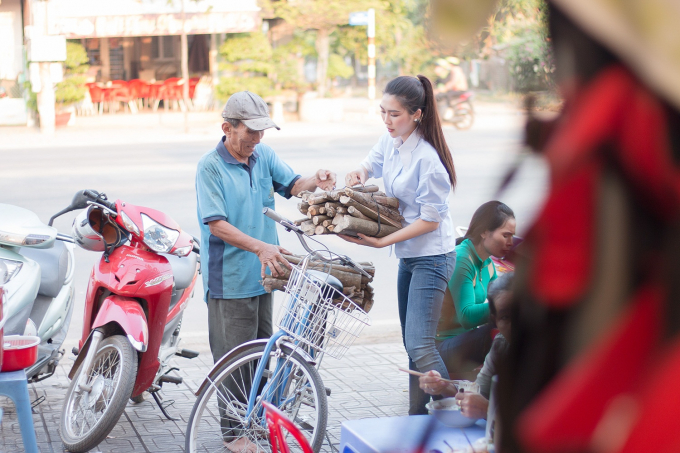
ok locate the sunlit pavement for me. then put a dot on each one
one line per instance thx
(149, 160)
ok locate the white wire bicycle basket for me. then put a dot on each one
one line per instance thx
(319, 316)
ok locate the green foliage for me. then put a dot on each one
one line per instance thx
(243, 47)
(255, 84)
(288, 61)
(76, 58)
(338, 68)
(249, 62)
(72, 89)
(521, 27)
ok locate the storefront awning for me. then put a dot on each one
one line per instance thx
(105, 18)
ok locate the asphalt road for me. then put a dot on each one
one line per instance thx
(147, 160)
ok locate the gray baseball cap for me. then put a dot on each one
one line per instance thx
(250, 109)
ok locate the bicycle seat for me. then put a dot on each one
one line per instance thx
(331, 281)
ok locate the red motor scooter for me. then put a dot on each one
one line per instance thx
(133, 312)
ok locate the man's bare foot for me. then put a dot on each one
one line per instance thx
(241, 445)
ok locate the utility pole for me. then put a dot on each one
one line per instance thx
(185, 70)
(371, 62)
(367, 18)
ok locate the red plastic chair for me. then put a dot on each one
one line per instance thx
(276, 420)
(120, 92)
(98, 96)
(139, 90)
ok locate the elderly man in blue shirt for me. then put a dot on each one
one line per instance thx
(234, 182)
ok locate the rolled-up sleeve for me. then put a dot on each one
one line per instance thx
(209, 195)
(375, 160)
(432, 196)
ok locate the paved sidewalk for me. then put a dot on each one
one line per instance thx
(364, 384)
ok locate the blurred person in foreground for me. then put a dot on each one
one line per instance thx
(416, 165)
(464, 331)
(234, 182)
(476, 405)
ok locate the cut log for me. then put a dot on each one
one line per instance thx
(271, 283)
(327, 223)
(348, 223)
(341, 210)
(318, 219)
(366, 189)
(313, 210)
(367, 201)
(305, 194)
(308, 228)
(389, 202)
(299, 222)
(322, 210)
(349, 292)
(354, 212)
(346, 278)
(385, 216)
(303, 207)
(330, 227)
(294, 259)
(320, 229)
(368, 304)
(318, 198)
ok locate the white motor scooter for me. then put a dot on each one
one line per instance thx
(38, 284)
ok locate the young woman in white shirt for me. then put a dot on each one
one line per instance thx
(416, 165)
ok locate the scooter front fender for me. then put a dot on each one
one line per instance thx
(128, 314)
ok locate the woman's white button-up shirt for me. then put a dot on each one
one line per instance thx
(414, 174)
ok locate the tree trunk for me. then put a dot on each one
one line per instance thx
(323, 50)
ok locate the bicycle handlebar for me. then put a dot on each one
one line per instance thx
(290, 226)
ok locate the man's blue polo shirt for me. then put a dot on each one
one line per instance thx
(229, 190)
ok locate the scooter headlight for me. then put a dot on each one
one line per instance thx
(13, 267)
(157, 237)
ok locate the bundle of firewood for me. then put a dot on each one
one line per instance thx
(356, 286)
(350, 211)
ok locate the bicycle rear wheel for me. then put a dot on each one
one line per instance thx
(219, 413)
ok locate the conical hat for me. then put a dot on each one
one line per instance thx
(645, 34)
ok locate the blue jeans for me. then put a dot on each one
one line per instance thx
(420, 289)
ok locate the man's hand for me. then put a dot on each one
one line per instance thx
(356, 177)
(472, 405)
(270, 256)
(325, 179)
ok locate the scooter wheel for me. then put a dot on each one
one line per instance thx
(93, 404)
(464, 116)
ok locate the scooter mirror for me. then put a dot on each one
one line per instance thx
(79, 200)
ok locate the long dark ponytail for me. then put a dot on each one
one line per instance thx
(416, 93)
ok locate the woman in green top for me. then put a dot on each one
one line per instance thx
(461, 342)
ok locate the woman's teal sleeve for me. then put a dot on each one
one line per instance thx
(462, 290)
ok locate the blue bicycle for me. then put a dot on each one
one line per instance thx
(315, 319)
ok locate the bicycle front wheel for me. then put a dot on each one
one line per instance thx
(219, 419)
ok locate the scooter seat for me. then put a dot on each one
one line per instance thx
(53, 264)
(183, 269)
